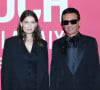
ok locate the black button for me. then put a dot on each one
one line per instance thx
(29, 61)
(29, 72)
(29, 66)
(30, 55)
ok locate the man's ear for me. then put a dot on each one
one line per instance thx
(79, 22)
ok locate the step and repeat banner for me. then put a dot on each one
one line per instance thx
(49, 15)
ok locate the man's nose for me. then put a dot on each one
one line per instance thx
(69, 24)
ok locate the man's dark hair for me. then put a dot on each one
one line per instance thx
(70, 10)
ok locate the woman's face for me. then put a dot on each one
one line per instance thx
(28, 24)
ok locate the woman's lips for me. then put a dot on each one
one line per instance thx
(29, 29)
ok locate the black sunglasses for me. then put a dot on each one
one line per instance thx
(66, 22)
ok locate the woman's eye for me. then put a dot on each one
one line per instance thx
(25, 22)
(33, 22)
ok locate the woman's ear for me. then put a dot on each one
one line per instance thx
(36, 24)
(20, 24)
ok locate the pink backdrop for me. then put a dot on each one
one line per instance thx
(48, 12)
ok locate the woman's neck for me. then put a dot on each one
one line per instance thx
(29, 38)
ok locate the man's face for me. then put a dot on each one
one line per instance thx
(70, 24)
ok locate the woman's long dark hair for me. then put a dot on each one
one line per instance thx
(37, 32)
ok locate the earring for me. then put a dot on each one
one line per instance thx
(21, 28)
(23, 34)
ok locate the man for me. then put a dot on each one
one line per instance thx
(75, 59)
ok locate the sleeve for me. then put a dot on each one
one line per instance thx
(95, 69)
(5, 68)
(54, 68)
(45, 84)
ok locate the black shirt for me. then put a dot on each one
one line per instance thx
(72, 44)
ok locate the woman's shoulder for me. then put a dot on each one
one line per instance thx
(44, 42)
(12, 39)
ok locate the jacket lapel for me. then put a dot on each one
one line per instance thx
(80, 53)
(40, 67)
(63, 55)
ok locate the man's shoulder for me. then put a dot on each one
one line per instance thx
(84, 37)
(88, 38)
(60, 40)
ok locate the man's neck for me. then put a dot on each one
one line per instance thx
(72, 35)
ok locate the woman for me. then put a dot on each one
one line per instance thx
(25, 57)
